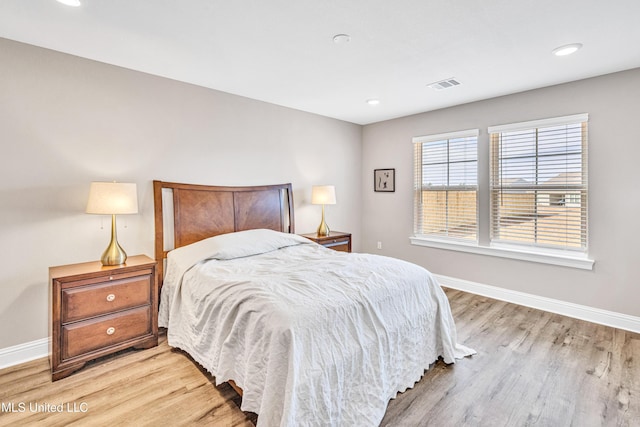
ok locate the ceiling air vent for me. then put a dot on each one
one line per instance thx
(444, 84)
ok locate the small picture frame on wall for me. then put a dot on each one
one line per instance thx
(384, 180)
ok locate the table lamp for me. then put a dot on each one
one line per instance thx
(323, 195)
(113, 198)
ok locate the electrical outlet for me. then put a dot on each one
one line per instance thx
(379, 245)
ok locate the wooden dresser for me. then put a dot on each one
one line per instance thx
(97, 310)
(336, 240)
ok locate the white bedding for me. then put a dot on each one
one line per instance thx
(314, 337)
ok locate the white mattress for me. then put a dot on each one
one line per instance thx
(314, 337)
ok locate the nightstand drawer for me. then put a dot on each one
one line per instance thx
(342, 246)
(107, 297)
(83, 337)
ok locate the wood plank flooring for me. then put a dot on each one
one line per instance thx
(532, 369)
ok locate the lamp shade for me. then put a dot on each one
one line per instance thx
(323, 195)
(112, 198)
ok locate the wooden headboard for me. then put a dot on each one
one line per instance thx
(193, 212)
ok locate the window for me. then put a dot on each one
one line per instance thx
(539, 183)
(446, 186)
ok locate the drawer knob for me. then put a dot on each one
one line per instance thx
(111, 297)
(111, 330)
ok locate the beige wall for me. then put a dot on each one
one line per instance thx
(613, 104)
(66, 121)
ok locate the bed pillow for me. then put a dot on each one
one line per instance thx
(243, 244)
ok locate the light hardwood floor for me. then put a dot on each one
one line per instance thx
(532, 369)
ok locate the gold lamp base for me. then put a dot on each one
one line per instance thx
(323, 228)
(114, 254)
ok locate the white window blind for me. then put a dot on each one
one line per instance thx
(539, 183)
(446, 185)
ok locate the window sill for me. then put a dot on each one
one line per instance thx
(577, 261)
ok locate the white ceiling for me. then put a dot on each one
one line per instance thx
(281, 51)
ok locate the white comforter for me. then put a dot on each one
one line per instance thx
(314, 337)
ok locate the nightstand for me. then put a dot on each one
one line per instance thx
(336, 240)
(97, 310)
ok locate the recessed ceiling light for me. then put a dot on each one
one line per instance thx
(373, 101)
(567, 49)
(341, 38)
(74, 3)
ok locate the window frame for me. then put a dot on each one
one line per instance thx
(497, 188)
(419, 188)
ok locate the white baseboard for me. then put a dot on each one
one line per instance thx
(583, 312)
(22, 353)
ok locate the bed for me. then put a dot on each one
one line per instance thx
(307, 335)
